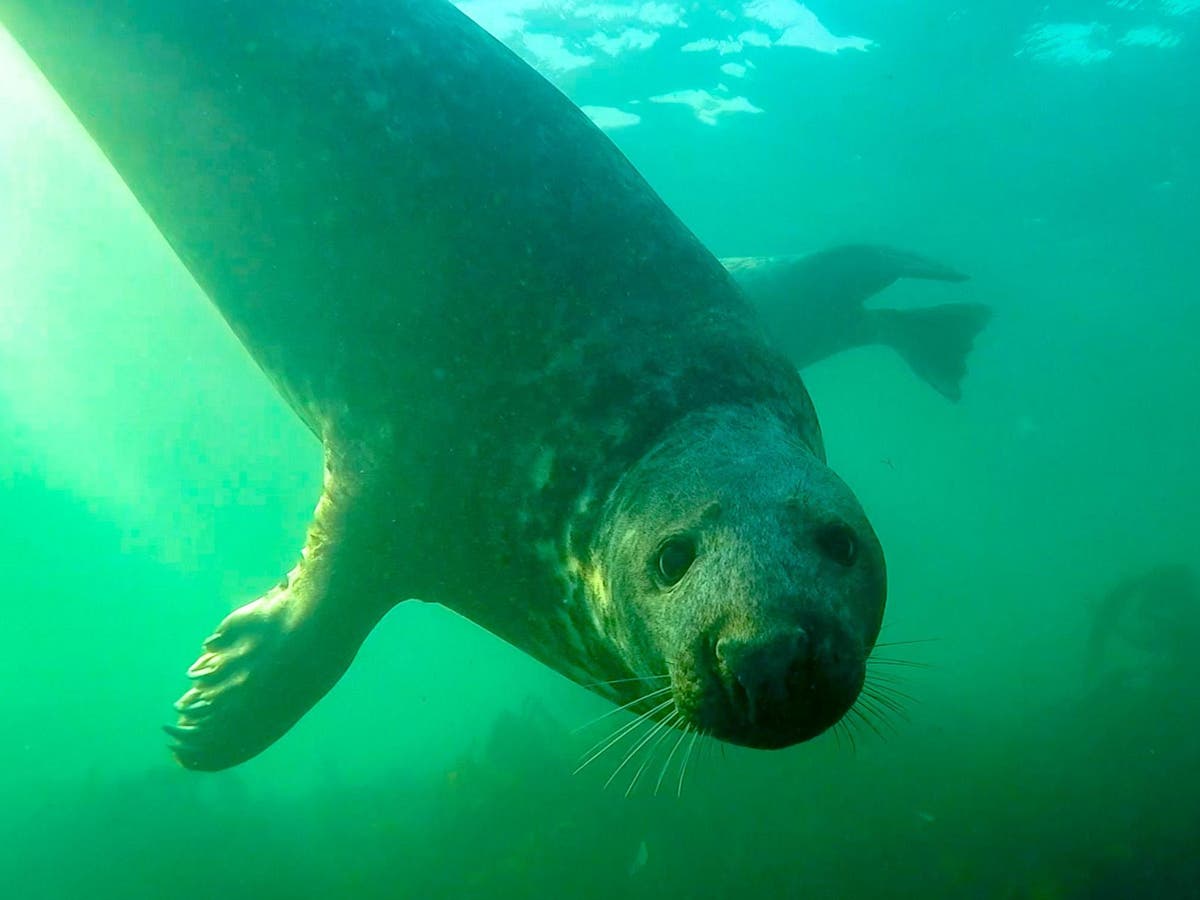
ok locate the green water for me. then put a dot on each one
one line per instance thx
(150, 479)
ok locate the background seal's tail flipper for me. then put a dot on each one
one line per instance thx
(814, 307)
(934, 340)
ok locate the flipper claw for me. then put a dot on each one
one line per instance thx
(194, 709)
(215, 641)
(274, 660)
(205, 665)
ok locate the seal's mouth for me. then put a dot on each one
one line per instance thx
(774, 690)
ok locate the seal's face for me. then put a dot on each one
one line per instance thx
(733, 560)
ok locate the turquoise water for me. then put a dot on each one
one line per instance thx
(152, 480)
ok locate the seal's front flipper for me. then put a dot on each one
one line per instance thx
(933, 340)
(270, 661)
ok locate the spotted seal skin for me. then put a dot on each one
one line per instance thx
(543, 402)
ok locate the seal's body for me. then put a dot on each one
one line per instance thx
(543, 403)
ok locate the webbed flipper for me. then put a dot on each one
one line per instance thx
(934, 340)
(271, 660)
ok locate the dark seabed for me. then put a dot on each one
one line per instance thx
(1041, 534)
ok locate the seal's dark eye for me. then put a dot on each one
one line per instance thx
(839, 544)
(675, 558)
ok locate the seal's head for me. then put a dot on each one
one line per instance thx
(732, 559)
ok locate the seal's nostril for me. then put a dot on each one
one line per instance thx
(839, 543)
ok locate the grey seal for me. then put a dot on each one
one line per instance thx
(543, 403)
(814, 307)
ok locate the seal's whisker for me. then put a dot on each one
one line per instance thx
(705, 748)
(617, 709)
(836, 730)
(717, 744)
(879, 713)
(610, 739)
(624, 730)
(850, 736)
(670, 756)
(591, 684)
(717, 748)
(634, 752)
(677, 721)
(885, 703)
(871, 703)
(687, 756)
(891, 695)
(857, 712)
(890, 688)
(891, 692)
(852, 730)
(928, 640)
(869, 721)
(664, 727)
(707, 744)
(887, 661)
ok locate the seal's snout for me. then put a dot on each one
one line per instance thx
(763, 674)
(790, 685)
